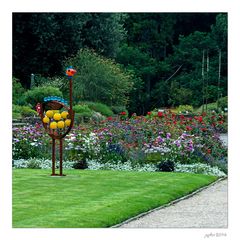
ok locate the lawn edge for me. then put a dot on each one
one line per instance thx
(168, 204)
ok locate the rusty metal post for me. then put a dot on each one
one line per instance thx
(70, 93)
(53, 157)
(60, 156)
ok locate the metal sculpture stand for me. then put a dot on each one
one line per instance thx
(60, 158)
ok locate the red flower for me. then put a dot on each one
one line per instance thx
(123, 113)
(181, 116)
(220, 122)
(200, 119)
(160, 114)
(204, 129)
(109, 118)
(188, 128)
(209, 151)
(149, 113)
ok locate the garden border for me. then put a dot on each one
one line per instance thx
(168, 204)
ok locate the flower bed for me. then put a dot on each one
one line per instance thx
(159, 139)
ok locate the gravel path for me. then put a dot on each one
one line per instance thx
(206, 209)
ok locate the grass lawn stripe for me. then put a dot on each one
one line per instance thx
(94, 198)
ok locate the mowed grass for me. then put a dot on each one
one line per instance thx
(86, 199)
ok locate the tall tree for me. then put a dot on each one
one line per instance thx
(104, 32)
(41, 41)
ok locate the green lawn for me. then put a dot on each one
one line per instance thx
(93, 198)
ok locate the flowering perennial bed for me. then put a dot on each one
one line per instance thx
(160, 141)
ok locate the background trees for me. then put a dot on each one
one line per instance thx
(101, 79)
(41, 41)
(139, 60)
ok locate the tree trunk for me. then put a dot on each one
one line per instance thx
(207, 80)
(203, 81)
(219, 74)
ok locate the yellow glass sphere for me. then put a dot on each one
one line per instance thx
(68, 122)
(49, 113)
(53, 125)
(60, 124)
(46, 119)
(64, 114)
(57, 116)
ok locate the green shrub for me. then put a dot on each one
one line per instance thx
(82, 112)
(184, 109)
(210, 107)
(18, 92)
(223, 103)
(24, 150)
(27, 112)
(81, 117)
(16, 115)
(153, 157)
(37, 94)
(22, 111)
(119, 109)
(16, 108)
(99, 107)
(100, 79)
(97, 117)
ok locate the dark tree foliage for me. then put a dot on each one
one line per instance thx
(175, 43)
(162, 51)
(41, 41)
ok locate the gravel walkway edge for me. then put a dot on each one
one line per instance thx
(168, 204)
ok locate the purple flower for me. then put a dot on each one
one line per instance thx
(168, 135)
(190, 146)
(177, 143)
(159, 139)
(184, 135)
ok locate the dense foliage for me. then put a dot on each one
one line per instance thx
(140, 61)
(100, 79)
(37, 94)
